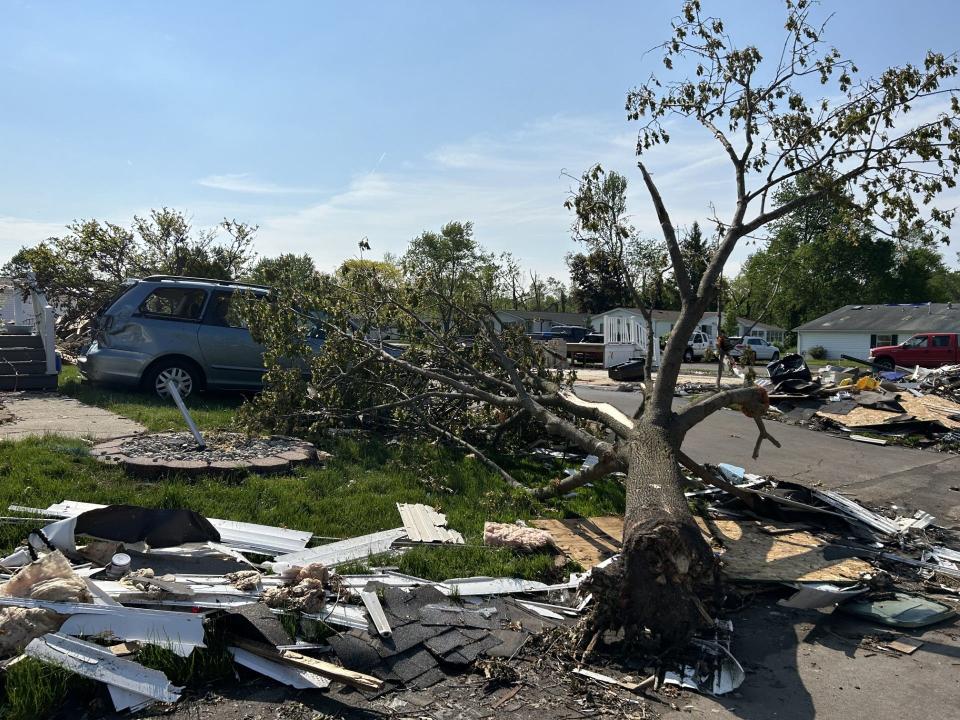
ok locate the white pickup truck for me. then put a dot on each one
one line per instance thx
(697, 346)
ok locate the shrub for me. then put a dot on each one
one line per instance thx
(817, 352)
(709, 355)
(748, 357)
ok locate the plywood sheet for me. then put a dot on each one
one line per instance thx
(588, 541)
(748, 552)
(929, 407)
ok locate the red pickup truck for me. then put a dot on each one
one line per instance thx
(925, 350)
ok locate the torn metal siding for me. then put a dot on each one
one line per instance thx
(424, 524)
(858, 512)
(131, 685)
(343, 551)
(179, 632)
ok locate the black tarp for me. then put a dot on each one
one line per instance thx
(789, 367)
(158, 528)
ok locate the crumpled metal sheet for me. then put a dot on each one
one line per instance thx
(424, 524)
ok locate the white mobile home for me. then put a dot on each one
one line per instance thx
(664, 320)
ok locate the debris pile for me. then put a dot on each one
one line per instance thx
(867, 404)
(95, 576)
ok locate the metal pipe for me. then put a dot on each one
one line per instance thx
(175, 394)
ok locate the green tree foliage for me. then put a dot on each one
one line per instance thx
(602, 224)
(283, 269)
(696, 252)
(80, 270)
(596, 286)
(450, 268)
(821, 257)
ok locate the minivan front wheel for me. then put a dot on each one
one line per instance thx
(183, 374)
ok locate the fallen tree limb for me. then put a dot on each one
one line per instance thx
(563, 485)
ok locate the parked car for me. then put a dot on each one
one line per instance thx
(183, 329)
(761, 348)
(697, 346)
(925, 350)
(570, 333)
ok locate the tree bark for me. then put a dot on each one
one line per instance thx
(655, 592)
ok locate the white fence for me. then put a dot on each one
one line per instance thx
(626, 339)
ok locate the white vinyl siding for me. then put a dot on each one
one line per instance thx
(836, 344)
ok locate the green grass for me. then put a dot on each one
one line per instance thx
(34, 690)
(355, 493)
(209, 410)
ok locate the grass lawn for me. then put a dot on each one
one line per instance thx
(209, 410)
(355, 493)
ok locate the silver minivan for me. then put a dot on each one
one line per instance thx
(184, 329)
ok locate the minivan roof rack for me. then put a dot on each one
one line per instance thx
(229, 283)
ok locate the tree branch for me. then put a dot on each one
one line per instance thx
(564, 485)
(752, 399)
(670, 235)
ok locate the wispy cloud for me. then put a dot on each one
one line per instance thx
(248, 183)
(16, 232)
(510, 185)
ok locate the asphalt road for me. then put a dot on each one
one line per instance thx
(873, 474)
(805, 664)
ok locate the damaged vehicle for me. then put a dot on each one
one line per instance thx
(188, 330)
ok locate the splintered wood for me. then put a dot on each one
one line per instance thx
(748, 551)
(588, 541)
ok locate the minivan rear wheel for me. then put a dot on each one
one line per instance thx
(183, 373)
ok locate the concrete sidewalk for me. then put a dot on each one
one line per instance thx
(38, 414)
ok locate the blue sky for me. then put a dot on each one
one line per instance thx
(325, 122)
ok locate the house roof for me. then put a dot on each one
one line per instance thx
(562, 318)
(673, 315)
(926, 317)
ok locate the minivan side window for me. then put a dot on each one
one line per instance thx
(175, 303)
(224, 309)
(941, 341)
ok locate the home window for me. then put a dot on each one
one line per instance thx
(174, 303)
(883, 340)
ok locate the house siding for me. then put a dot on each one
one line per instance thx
(836, 344)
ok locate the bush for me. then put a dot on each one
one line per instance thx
(748, 357)
(817, 352)
(709, 355)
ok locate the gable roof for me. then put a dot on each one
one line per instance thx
(561, 318)
(673, 315)
(925, 317)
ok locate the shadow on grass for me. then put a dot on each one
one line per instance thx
(210, 410)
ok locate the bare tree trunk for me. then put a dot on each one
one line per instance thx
(648, 365)
(654, 592)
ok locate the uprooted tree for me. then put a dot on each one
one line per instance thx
(889, 143)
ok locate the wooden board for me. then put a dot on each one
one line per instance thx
(929, 407)
(588, 541)
(751, 554)
(749, 551)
